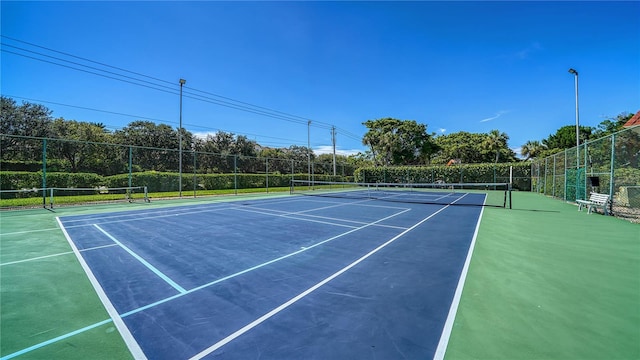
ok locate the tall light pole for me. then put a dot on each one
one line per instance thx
(575, 73)
(182, 82)
(309, 149)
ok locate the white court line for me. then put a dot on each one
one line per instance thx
(453, 310)
(352, 221)
(52, 255)
(292, 217)
(295, 299)
(163, 212)
(56, 339)
(258, 266)
(26, 232)
(288, 214)
(117, 318)
(318, 221)
(136, 218)
(357, 203)
(128, 338)
(143, 261)
(135, 213)
(353, 203)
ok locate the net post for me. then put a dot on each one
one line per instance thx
(146, 195)
(51, 199)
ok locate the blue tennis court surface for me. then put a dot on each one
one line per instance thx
(291, 277)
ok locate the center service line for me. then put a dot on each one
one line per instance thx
(143, 261)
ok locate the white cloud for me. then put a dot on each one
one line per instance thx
(498, 114)
(442, 130)
(518, 151)
(328, 149)
(203, 135)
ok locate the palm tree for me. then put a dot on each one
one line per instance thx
(532, 149)
(496, 141)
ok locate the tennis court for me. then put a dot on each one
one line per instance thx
(294, 276)
(282, 276)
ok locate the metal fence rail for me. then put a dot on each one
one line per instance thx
(608, 165)
(29, 162)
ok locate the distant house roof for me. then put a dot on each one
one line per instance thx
(635, 120)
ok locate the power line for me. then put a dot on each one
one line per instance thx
(168, 89)
(288, 141)
(235, 104)
(85, 59)
(227, 102)
(302, 119)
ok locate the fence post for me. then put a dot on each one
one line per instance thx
(612, 171)
(195, 176)
(553, 182)
(565, 175)
(546, 171)
(540, 180)
(586, 149)
(266, 173)
(235, 174)
(130, 166)
(44, 173)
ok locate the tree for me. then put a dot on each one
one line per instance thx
(399, 142)
(221, 148)
(360, 159)
(153, 144)
(27, 120)
(495, 142)
(324, 164)
(78, 144)
(532, 149)
(473, 148)
(565, 137)
(612, 125)
(461, 146)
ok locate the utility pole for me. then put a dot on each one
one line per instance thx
(333, 140)
(182, 82)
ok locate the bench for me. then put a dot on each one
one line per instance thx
(595, 200)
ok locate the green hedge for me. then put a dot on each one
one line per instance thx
(155, 181)
(16, 180)
(53, 165)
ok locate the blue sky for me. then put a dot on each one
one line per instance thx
(455, 66)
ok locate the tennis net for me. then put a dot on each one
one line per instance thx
(470, 194)
(50, 197)
(61, 196)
